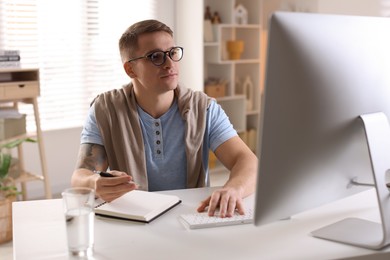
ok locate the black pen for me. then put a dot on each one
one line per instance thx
(104, 174)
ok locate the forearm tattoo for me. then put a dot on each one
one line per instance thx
(92, 157)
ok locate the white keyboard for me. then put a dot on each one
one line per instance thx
(202, 220)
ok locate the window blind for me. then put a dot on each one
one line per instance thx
(74, 43)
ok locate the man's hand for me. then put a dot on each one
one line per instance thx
(110, 188)
(92, 158)
(235, 155)
(228, 200)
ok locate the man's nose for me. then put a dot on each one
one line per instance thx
(168, 62)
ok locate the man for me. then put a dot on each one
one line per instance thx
(154, 134)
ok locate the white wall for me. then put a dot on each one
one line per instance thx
(189, 34)
(166, 12)
(61, 147)
(350, 7)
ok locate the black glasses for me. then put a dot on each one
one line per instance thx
(158, 58)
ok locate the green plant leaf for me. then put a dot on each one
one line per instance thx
(8, 191)
(5, 162)
(17, 142)
(6, 186)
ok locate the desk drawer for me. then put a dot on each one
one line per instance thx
(19, 90)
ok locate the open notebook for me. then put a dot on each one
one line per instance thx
(138, 205)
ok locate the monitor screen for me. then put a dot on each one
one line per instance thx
(323, 71)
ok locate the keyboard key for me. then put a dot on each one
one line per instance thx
(202, 220)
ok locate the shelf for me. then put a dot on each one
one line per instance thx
(27, 176)
(243, 79)
(252, 112)
(11, 70)
(239, 26)
(211, 44)
(22, 85)
(26, 135)
(230, 98)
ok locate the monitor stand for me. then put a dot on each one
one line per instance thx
(360, 232)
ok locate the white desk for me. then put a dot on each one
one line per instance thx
(39, 233)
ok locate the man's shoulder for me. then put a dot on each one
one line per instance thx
(114, 95)
(198, 97)
(200, 94)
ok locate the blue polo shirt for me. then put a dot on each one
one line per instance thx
(166, 161)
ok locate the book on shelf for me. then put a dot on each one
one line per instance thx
(10, 64)
(137, 205)
(9, 58)
(9, 52)
(4, 58)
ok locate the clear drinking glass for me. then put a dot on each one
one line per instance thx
(79, 217)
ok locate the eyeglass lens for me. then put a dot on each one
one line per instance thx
(159, 57)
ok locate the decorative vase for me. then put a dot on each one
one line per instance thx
(248, 91)
(235, 49)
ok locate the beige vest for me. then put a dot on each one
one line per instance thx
(118, 122)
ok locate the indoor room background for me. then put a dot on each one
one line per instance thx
(102, 70)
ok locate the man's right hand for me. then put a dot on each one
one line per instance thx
(110, 188)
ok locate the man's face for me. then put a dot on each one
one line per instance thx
(149, 77)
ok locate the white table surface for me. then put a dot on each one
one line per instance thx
(39, 233)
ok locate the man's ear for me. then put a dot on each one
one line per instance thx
(128, 66)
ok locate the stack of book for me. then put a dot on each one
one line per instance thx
(9, 58)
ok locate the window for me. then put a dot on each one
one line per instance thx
(74, 43)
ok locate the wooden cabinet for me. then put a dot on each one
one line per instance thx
(22, 85)
(241, 100)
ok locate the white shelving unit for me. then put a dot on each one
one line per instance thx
(217, 64)
(22, 85)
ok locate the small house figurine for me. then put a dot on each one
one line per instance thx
(240, 14)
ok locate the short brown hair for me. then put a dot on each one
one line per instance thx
(128, 43)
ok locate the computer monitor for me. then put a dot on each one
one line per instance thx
(323, 72)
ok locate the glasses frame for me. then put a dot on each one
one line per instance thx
(166, 53)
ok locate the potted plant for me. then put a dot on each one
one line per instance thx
(8, 190)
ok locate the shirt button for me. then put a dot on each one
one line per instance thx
(157, 132)
(158, 142)
(158, 152)
(156, 124)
